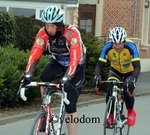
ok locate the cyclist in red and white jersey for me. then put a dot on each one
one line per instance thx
(68, 58)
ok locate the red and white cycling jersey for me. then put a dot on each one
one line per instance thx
(67, 49)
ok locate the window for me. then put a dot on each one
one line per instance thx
(86, 22)
(22, 12)
(2, 8)
(87, 18)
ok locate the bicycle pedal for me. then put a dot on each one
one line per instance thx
(123, 117)
(109, 125)
(42, 106)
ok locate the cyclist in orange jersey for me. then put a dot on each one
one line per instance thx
(68, 57)
(125, 66)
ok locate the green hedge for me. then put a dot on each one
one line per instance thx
(93, 48)
(12, 60)
(19, 31)
(7, 27)
(12, 66)
(26, 30)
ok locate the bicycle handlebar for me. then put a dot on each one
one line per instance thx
(36, 84)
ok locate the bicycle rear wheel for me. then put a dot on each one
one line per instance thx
(110, 129)
(125, 130)
(39, 124)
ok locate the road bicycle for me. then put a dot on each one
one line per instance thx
(46, 122)
(117, 105)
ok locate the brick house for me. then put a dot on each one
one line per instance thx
(133, 15)
(97, 17)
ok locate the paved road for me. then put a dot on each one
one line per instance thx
(142, 126)
(92, 128)
(142, 88)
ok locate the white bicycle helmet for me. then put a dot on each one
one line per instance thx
(117, 35)
(52, 14)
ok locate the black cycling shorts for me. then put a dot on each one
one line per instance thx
(53, 70)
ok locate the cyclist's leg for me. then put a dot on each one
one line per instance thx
(128, 93)
(72, 95)
(129, 100)
(51, 71)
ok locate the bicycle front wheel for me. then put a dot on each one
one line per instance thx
(110, 129)
(125, 127)
(39, 124)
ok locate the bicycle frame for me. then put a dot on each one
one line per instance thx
(50, 115)
(60, 112)
(47, 107)
(118, 105)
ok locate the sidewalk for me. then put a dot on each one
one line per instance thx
(143, 88)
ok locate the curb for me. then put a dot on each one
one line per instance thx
(142, 93)
(25, 116)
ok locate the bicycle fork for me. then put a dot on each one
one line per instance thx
(60, 114)
(49, 123)
(118, 110)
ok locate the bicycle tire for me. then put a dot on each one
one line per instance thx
(110, 129)
(126, 128)
(36, 126)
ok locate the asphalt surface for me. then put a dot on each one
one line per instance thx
(143, 88)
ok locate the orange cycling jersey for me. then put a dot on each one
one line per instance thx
(67, 49)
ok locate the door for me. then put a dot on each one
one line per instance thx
(87, 18)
